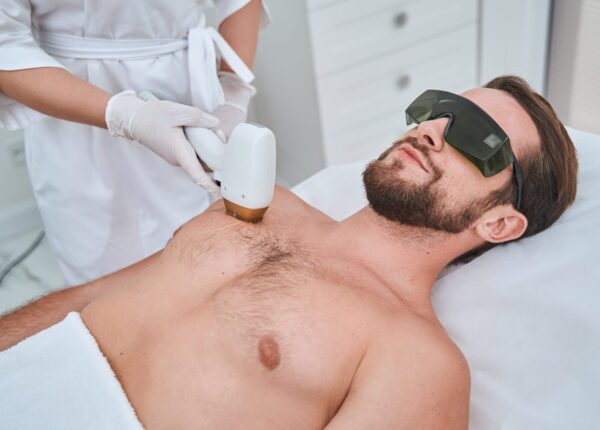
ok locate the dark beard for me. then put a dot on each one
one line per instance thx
(415, 205)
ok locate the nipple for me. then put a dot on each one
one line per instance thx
(268, 351)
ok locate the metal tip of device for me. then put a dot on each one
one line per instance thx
(244, 214)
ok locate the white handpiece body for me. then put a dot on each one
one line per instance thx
(209, 148)
(245, 166)
(248, 174)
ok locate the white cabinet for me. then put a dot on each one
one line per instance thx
(347, 33)
(335, 76)
(362, 107)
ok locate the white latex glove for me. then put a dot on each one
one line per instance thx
(237, 97)
(157, 124)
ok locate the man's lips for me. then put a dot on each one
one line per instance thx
(415, 156)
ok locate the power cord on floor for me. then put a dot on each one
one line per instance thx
(22, 256)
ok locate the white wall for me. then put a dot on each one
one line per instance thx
(514, 40)
(574, 72)
(287, 96)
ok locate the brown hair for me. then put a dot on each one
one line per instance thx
(549, 175)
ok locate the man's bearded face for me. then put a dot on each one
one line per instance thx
(411, 203)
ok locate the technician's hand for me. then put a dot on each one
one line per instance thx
(158, 124)
(237, 97)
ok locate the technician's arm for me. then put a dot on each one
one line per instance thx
(240, 30)
(53, 308)
(56, 92)
(157, 124)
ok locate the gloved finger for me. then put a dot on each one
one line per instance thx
(220, 134)
(200, 177)
(189, 162)
(208, 184)
(230, 117)
(191, 116)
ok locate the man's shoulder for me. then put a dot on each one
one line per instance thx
(285, 200)
(418, 352)
(412, 376)
(427, 342)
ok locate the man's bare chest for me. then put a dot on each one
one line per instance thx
(281, 347)
(285, 324)
(252, 322)
(287, 316)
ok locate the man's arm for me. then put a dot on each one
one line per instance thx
(424, 384)
(52, 308)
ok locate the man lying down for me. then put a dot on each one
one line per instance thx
(302, 322)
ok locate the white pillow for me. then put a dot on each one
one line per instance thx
(526, 314)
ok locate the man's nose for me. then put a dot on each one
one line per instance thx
(431, 133)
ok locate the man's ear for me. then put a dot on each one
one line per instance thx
(501, 224)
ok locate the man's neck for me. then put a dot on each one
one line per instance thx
(407, 260)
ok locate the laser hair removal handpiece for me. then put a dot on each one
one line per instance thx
(245, 166)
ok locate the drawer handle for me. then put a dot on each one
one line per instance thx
(403, 81)
(400, 19)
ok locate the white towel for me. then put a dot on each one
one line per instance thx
(59, 379)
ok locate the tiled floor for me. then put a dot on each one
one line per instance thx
(37, 275)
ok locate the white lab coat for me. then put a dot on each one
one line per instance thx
(107, 203)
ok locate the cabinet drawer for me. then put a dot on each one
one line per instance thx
(368, 140)
(366, 92)
(353, 31)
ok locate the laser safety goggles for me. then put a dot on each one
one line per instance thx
(471, 131)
